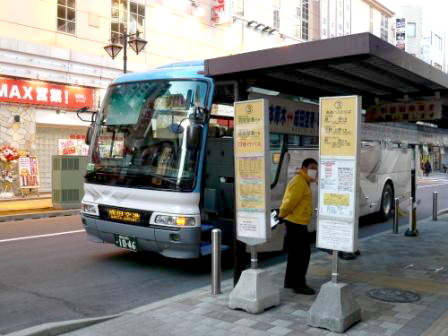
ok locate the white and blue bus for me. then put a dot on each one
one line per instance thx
(161, 172)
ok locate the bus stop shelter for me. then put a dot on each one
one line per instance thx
(360, 64)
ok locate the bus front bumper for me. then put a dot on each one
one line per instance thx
(180, 243)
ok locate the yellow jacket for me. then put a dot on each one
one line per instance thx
(297, 202)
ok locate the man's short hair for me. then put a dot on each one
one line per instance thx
(307, 162)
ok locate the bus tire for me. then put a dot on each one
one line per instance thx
(387, 202)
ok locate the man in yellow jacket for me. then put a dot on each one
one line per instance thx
(295, 211)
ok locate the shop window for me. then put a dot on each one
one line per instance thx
(126, 17)
(66, 16)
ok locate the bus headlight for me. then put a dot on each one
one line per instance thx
(90, 209)
(181, 221)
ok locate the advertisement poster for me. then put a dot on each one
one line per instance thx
(339, 145)
(28, 172)
(72, 147)
(400, 29)
(251, 178)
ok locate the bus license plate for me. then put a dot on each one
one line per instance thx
(129, 243)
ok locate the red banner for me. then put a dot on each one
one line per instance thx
(40, 93)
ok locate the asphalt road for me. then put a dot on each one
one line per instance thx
(60, 277)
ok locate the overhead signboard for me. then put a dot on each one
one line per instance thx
(252, 187)
(41, 93)
(339, 141)
(423, 110)
(291, 117)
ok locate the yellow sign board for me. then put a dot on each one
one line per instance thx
(249, 137)
(338, 126)
(251, 180)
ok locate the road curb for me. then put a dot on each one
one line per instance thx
(37, 215)
(57, 328)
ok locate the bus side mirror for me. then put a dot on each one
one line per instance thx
(194, 136)
(89, 135)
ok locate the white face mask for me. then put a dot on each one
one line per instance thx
(312, 173)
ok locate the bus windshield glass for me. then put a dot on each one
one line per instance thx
(148, 135)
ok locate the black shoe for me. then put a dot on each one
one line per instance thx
(347, 255)
(304, 290)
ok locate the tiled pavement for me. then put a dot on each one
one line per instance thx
(387, 260)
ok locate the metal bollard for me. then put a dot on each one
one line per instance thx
(412, 231)
(216, 261)
(396, 223)
(411, 201)
(435, 194)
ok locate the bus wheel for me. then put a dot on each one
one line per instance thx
(387, 202)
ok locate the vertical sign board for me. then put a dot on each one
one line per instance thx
(251, 171)
(339, 144)
(400, 33)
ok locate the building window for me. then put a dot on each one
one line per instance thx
(126, 17)
(304, 30)
(238, 7)
(411, 29)
(276, 19)
(67, 16)
(276, 4)
(136, 18)
(305, 9)
(305, 16)
(384, 27)
(438, 42)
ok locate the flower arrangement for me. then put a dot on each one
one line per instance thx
(8, 153)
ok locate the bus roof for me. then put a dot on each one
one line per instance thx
(188, 69)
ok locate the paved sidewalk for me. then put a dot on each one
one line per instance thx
(387, 260)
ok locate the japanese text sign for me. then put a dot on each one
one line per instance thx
(338, 126)
(410, 111)
(40, 93)
(291, 117)
(339, 144)
(251, 147)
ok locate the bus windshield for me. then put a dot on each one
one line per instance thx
(148, 136)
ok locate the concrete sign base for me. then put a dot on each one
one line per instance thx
(254, 292)
(334, 308)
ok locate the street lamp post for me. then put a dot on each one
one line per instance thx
(135, 42)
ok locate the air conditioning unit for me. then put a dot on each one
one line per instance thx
(67, 180)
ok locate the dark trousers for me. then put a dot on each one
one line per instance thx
(298, 248)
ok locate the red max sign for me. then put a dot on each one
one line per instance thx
(38, 93)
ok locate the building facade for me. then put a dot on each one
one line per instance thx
(52, 59)
(345, 17)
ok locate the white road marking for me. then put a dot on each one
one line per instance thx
(40, 236)
(431, 185)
